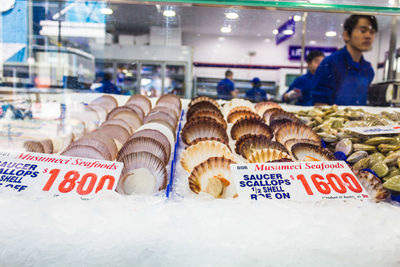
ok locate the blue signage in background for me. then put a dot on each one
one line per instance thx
(285, 31)
(86, 12)
(295, 51)
(15, 31)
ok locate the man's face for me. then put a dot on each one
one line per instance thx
(362, 36)
(312, 67)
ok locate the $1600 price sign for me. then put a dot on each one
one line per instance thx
(54, 175)
(298, 180)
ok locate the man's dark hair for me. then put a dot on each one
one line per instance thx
(228, 73)
(352, 21)
(314, 54)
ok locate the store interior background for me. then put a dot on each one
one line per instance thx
(143, 48)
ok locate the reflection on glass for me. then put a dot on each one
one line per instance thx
(126, 78)
(151, 82)
(174, 81)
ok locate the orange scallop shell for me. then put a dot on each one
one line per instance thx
(203, 128)
(261, 107)
(201, 151)
(295, 130)
(247, 144)
(250, 126)
(202, 105)
(240, 114)
(214, 177)
(308, 152)
(203, 98)
(267, 155)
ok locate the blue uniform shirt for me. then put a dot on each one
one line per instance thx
(340, 80)
(301, 83)
(256, 94)
(224, 89)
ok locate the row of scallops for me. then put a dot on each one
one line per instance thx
(258, 134)
(136, 134)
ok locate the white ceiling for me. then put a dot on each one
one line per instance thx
(137, 19)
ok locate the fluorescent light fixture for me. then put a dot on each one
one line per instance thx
(297, 18)
(169, 13)
(275, 32)
(287, 32)
(221, 38)
(312, 42)
(330, 34)
(106, 11)
(226, 29)
(231, 15)
(73, 29)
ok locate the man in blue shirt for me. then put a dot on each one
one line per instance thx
(226, 87)
(294, 94)
(343, 77)
(256, 94)
(107, 86)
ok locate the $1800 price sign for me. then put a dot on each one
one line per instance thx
(83, 184)
(48, 174)
(298, 180)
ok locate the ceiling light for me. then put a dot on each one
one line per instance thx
(275, 32)
(258, 34)
(297, 18)
(221, 38)
(287, 32)
(226, 29)
(278, 21)
(267, 40)
(106, 11)
(231, 15)
(330, 34)
(169, 13)
(312, 42)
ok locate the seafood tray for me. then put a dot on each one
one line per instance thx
(379, 155)
(214, 136)
(137, 134)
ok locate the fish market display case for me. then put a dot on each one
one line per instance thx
(176, 202)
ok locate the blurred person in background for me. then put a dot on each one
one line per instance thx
(296, 93)
(107, 86)
(343, 78)
(226, 88)
(256, 94)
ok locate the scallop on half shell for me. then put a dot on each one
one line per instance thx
(247, 144)
(267, 155)
(196, 154)
(143, 173)
(308, 152)
(202, 129)
(295, 130)
(214, 177)
(250, 126)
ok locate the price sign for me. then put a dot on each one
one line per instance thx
(377, 130)
(54, 175)
(302, 181)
